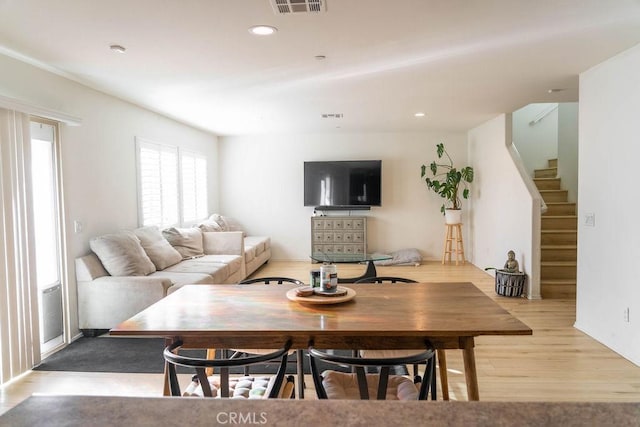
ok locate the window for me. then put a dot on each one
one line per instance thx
(170, 192)
(193, 172)
(158, 184)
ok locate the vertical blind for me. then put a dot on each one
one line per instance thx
(19, 329)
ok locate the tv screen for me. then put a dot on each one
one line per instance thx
(343, 183)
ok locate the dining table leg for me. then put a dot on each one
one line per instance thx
(444, 377)
(211, 354)
(470, 372)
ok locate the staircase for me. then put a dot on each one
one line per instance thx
(559, 239)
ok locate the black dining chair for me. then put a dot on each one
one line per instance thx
(299, 353)
(372, 376)
(385, 279)
(441, 358)
(271, 280)
(222, 385)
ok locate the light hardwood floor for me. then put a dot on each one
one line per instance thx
(557, 363)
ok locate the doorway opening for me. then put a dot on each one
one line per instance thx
(47, 233)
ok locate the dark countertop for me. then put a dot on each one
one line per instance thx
(138, 411)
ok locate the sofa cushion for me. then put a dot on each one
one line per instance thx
(187, 241)
(184, 278)
(218, 271)
(258, 243)
(159, 250)
(122, 254)
(409, 256)
(233, 262)
(245, 387)
(249, 253)
(341, 385)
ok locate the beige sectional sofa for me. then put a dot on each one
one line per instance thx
(130, 270)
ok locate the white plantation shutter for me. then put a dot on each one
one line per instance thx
(158, 184)
(167, 190)
(194, 186)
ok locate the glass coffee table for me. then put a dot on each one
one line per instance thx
(352, 259)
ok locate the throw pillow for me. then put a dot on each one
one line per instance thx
(232, 224)
(121, 254)
(159, 250)
(219, 219)
(209, 226)
(225, 223)
(187, 241)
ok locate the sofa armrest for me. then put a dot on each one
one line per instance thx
(145, 283)
(223, 242)
(109, 300)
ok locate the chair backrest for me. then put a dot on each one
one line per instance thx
(172, 356)
(383, 365)
(270, 280)
(385, 279)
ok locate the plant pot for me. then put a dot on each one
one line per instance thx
(453, 216)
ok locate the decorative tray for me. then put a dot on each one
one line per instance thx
(342, 295)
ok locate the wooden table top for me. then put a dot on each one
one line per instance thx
(383, 316)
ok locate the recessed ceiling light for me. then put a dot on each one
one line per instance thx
(320, 57)
(117, 48)
(419, 114)
(262, 30)
(554, 90)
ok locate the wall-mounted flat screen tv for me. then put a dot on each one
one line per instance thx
(343, 184)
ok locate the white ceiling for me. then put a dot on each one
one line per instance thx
(461, 62)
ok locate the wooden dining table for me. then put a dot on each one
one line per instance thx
(380, 316)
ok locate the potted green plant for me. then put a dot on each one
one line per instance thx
(447, 181)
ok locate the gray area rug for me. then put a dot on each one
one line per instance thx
(109, 354)
(135, 355)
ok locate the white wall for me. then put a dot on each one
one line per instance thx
(568, 148)
(536, 143)
(98, 157)
(262, 181)
(609, 131)
(554, 136)
(504, 214)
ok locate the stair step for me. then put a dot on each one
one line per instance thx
(554, 195)
(559, 237)
(550, 253)
(545, 173)
(559, 222)
(553, 270)
(560, 208)
(559, 289)
(547, 183)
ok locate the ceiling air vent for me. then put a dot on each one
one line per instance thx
(332, 115)
(285, 7)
